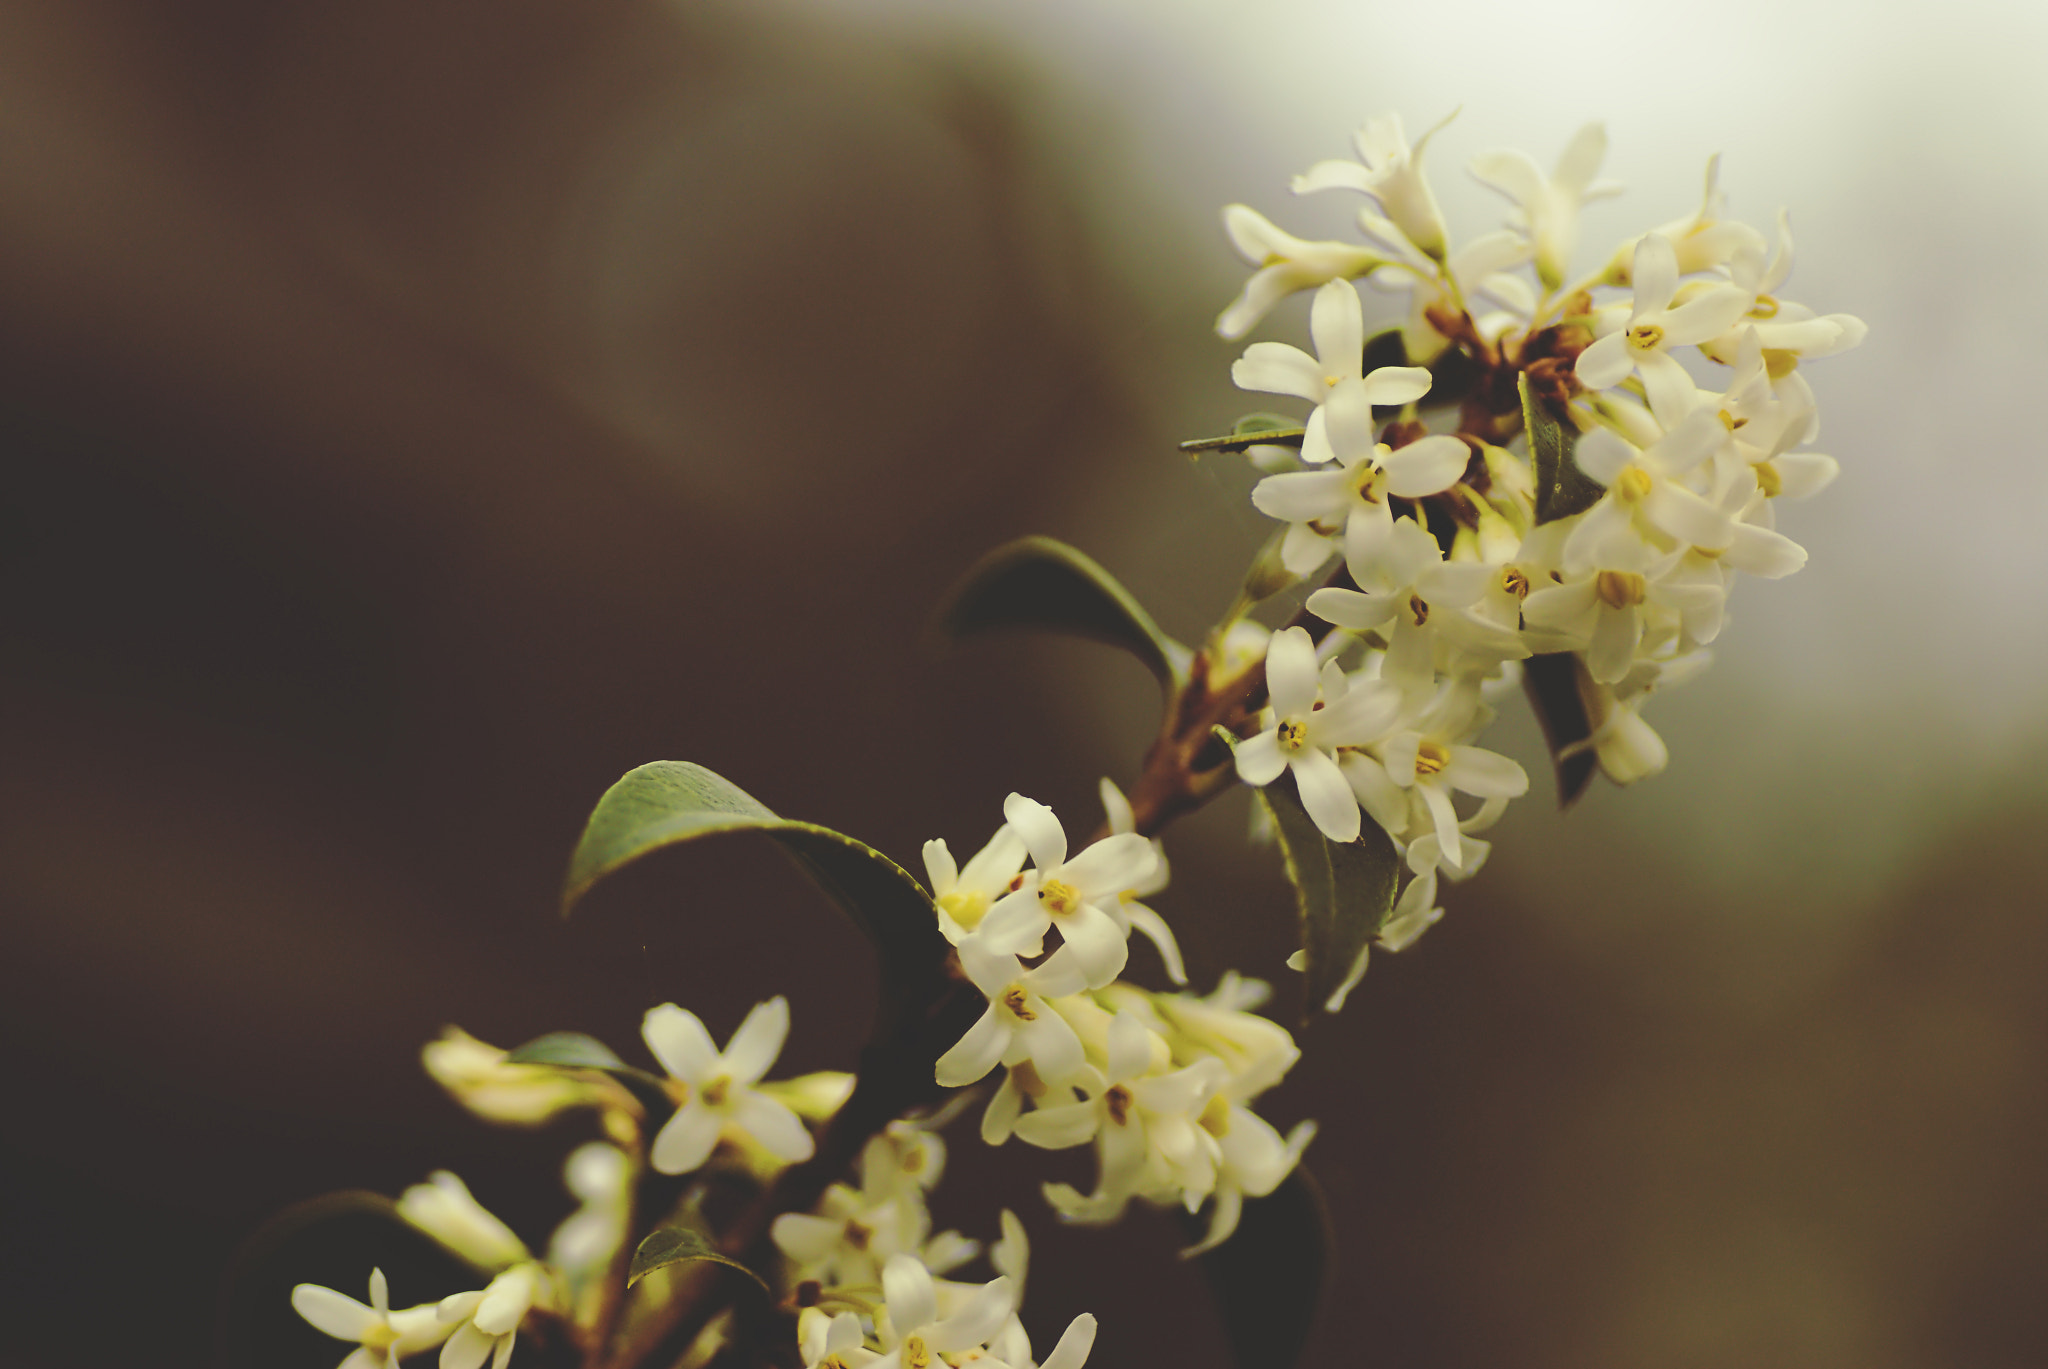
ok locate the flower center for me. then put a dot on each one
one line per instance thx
(1418, 609)
(1366, 479)
(1633, 483)
(1059, 897)
(716, 1091)
(1768, 480)
(1645, 337)
(1118, 1102)
(1430, 759)
(858, 1235)
(1620, 588)
(1730, 421)
(1765, 307)
(1514, 581)
(1215, 1118)
(1018, 1001)
(967, 906)
(915, 1353)
(379, 1336)
(1293, 735)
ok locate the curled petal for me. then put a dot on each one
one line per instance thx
(1042, 833)
(975, 1054)
(1291, 672)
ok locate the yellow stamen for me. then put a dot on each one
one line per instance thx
(1365, 482)
(1059, 897)
(1645, 337)
(1620, 588)
(1730, 421)
(715, 1091)
(1418, 609)
(1293, 735)
(966, 906)
(1633, 483)
(1778, 364)
(916, 1354)
(1514, 581)
(1431, 758)
(1765, 307)
(1768, 480)
(1215, 1118)
(1019, 1003)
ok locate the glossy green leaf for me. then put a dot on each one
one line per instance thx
(1269, 1278)
(1552, 683)
(1046, 585)
(574, 1050)
(667, 803)
(671, 1245)
(1345, 890)
(1562, 489)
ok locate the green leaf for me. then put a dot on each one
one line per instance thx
(1270, 1276)
(667, 803)
(671, 1245)
(1345, 890)
(1039, 583)
(1552, 683)
(1562, 489)
(570, 1050)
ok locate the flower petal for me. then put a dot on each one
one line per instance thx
(687, 1139)
(1276, 368)
(976, 1053)
(1291, 672)
(1428, 465)
(678, 1040)
(1325, 795)
(773, 1126)
(337, 1314)
(1042, 833)
(758, 1041)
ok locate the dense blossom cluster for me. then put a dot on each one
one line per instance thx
(1671, 373)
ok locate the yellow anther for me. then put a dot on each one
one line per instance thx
(1365, 481)
(1768, 480)
(716, 1090)
(916, 1354)
(1059, 897)
(1215, 1118)
(1779, 363)
(1019, 1003)
(1730, 421)
(1418, 609)
(966, 906)
(1514, 581)
(1621, 588)
(1332, 381)
(1645, 337)
(1293, 735)
(858, 1235)
(1765, 307)
(1431, 758)
(1118, 1102)
(1633, 483)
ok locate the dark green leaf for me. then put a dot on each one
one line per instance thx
(666, 803)
(571, 1050)
(1039, 583)
(679, 1245)
(335, 1242)
(1345, 889)
(1269, 1278)
(1562, 489)
(1552, 684)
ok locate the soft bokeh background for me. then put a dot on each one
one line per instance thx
(413, 415)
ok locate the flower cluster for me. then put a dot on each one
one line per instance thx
(1159, 1083)
(1674, 418)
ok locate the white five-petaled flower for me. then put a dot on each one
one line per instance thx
(719, 1093)
(965, 895)
(485, 1323)
(1390, 171)
(1628, 589)
(1020, 1024)
(1646, 489)
(1406, 781)
(1312, 718)
(1073, 895)
(1548, 206)
(382, 1335)
(831, 1341)
(1333, 379)
(1654, 327)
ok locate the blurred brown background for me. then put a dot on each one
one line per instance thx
(412, 416)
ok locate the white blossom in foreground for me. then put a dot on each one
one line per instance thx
(912, 1330)
(1547, 207)
(1312, 715)
(485, 1323)
(383, 1336)
(719, 1094)
(1656, 325)
(1073, 895)
(1020, 1024)
(965, 895)
(444, 1208)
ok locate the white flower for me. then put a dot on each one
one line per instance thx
(964, 896)
(1647, 488)
(1256, 1051)
(1011, 1348)
(1655, 327)
(444, 1208)
(720, 1097)
(1627, 589)
(1070, 894)
(485, 1323)
(829, 1341)
(1391, 172)
(1406, 781)
(383, 1336)
(1548, 207)
(583, 1245)
(1254, 1159)
(1353, 499)
(1286, 264)
(1311, 719)
(1020, 1024)
(1333, 379)
(914, 1333)
(1415, 912)
(1128, 909)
